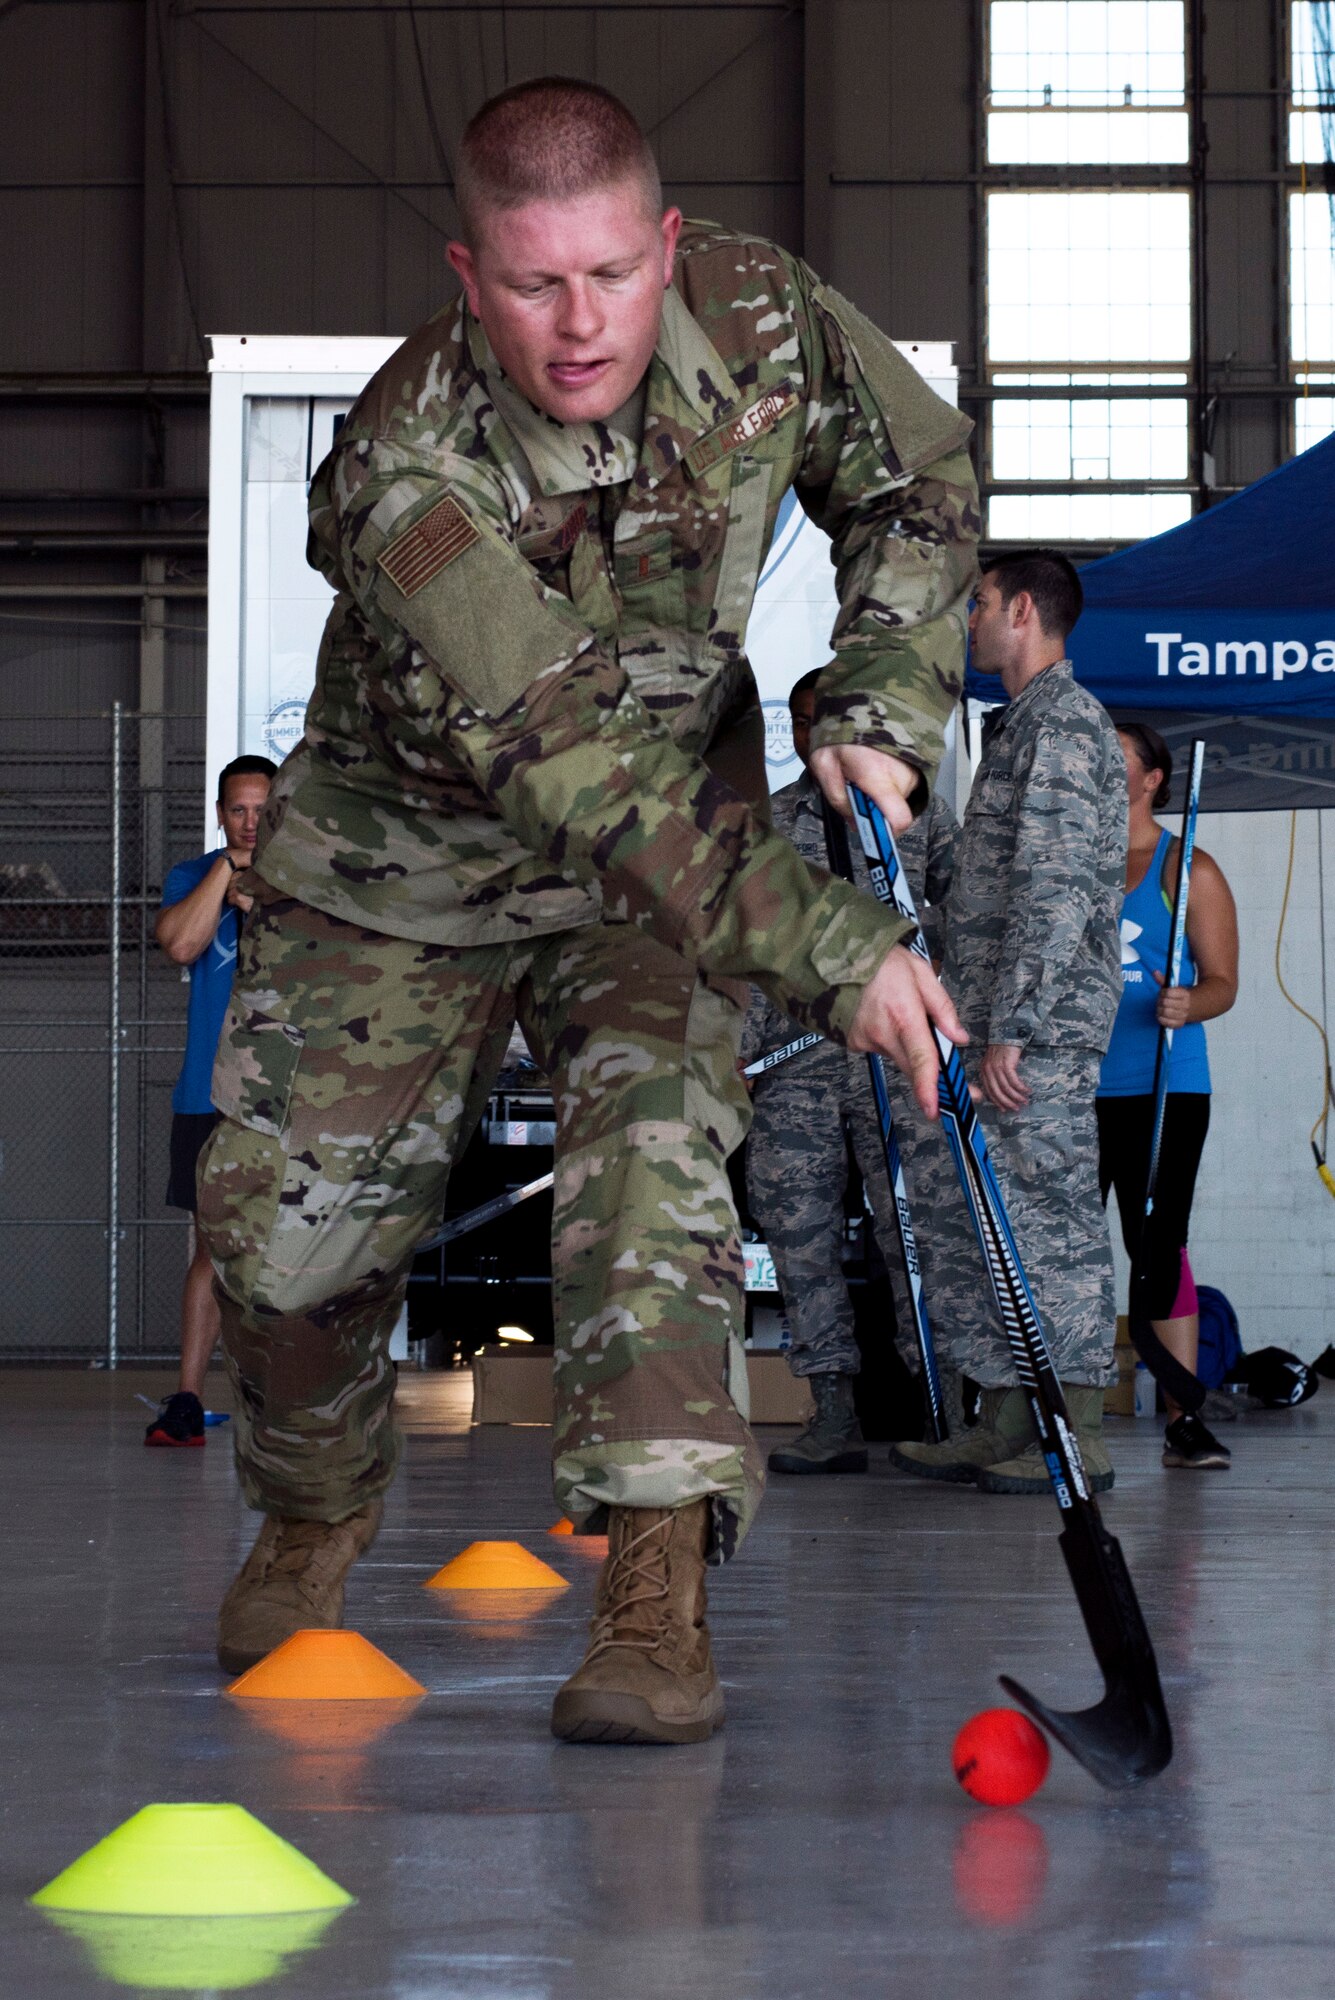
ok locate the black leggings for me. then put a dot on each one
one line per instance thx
(1126, 1126)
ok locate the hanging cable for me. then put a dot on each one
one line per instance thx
(1322, 1122)
(437, 142)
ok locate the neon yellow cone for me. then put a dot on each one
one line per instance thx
(190, 1954)
(192, 1861)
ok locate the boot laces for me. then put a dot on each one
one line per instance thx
(305, 1550)
(637, 1575)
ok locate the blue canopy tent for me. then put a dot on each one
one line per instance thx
(1225, 628)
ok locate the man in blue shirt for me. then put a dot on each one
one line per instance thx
(198, 926)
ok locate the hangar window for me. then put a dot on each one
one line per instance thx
(1088, 276)
(1312, 226)
(1099, 81)
(1312, 116)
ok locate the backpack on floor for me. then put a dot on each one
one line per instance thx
(1275, 1379)
(1220, 1348)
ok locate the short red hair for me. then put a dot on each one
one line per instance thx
(554, 138)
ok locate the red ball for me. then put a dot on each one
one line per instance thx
(1000, 1758)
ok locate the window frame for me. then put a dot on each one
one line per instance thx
(1181, 390)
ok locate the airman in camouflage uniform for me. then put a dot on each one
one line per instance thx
(1032, 961)
(523, 789)
(797, 1166)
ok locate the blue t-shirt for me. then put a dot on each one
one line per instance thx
(210, 989)
(1147, 931)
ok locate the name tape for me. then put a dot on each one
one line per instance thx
(762, 416)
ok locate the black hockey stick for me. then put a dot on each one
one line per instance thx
(1176, 1380)
(777, 1056)
(473, 1218)
(841, 863)
(1126, 1737)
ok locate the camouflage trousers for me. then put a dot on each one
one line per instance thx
(1047, 1163)
(796, 1172)
(351, 1071)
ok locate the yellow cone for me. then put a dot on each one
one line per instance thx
(193, 1954)
(318, 1665)
(496, 1566)
(192, 1861)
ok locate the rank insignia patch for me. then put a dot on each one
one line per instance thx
(423, 552)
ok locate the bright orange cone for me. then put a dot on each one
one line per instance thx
(588, 1545)
(327, 1666)
(496, 1566)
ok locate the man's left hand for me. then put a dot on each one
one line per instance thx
(999, 1077)
(888, 780)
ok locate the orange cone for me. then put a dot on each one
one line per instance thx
(333, 1733)
(496, 1566)
(327, 1666)
(588, 1545)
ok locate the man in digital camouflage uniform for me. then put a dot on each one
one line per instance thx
(523, 791)
(1033, 963)
(797, 1159)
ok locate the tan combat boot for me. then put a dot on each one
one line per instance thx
(1003, 1429)
(1027, 1471)
(648, 1676)
(291, 1581)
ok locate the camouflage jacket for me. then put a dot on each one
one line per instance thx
(927, 850)
(1032, 951)
(538, 630)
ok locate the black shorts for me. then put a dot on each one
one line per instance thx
(189, 1131)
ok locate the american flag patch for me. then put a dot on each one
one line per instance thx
(431, 543)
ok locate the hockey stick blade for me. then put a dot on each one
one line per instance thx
(1126, 1737)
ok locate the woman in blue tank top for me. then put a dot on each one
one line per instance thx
(1125, 1102)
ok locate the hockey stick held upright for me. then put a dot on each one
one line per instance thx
(841, 863)
(1176, 1380)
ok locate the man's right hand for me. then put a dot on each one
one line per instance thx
(900, 1005)
(236, 897)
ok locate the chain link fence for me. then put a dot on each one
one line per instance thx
(94, 811)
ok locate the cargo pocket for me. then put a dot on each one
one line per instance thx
(255, 1070)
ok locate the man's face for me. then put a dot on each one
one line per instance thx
(802, 708)
(991, 636)
(570, 295)
(239, 814)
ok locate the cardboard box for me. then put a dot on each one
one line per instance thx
(511, 1387)
(777, 1395)
(515, 1387)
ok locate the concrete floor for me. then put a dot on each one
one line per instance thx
(818, 1846)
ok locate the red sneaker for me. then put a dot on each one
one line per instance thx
(179, 1421)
